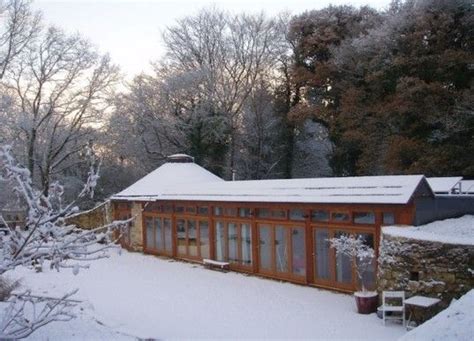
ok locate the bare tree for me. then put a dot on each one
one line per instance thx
(60, 88)
(231, 52)
(19, 26)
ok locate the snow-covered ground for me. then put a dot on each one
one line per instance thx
(454, 323)
(452, 231)
(133, 295)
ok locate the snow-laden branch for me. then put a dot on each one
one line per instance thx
(356, 249)
(47, 238)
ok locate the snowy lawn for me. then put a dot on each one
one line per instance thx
(134, 295)
(454, 323)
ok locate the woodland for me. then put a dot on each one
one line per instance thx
(338, 91)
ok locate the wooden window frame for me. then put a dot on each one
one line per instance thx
(360, 211)
(274, 273)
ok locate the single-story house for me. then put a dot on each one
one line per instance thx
(273, 228)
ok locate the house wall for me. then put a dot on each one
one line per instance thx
(136, 231)
(441, 207)
(187, 224)
(96, 217)
(426, 268)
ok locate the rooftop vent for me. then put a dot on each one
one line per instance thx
(180, 158)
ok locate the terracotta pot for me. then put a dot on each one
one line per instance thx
(366, 302)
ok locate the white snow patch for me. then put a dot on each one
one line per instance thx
(450, 231)
(454, 323)
(151, 297)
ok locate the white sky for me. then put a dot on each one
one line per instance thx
(131, 30)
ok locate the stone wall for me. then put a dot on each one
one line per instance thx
(96, 217)
(421, 267)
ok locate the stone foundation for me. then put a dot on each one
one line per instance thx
(421, 267)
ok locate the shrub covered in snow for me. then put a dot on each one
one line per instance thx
(355, 248)
(46, 239)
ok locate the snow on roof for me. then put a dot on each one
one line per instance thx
(396, 189)
(443, 184)
(176, 175)
(454, 323)
(467, 186)
(450, 231)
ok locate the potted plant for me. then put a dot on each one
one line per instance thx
(356, 249)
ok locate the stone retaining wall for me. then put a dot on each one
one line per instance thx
(93, 218)
(421, 267)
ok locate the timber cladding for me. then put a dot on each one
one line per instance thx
(285, 241)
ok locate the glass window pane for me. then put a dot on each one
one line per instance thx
(340, 216)
(150, 233)
(298, 248)
(368, 276)
(322, 249)
(167, 208)
(218, 211)
(320, 215)
(230, 211)
(203, 210)
(191, 209)
(278, 214)
(297, 214)
(263, 213)
(232, 240)
(281, 249)
(204, 238)
(343, 265)
(179, 209)
(220, 241)
(181, 236)
(364, 217)
(159, 242)
(246, 240)
(264, 236)
(192, 238)
(388, 218)
(245, 212)
(168, 235)
(152, 207)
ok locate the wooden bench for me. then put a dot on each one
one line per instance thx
(214, 264)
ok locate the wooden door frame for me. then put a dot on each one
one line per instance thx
(162, 217)
(332, 282)
(288, 227)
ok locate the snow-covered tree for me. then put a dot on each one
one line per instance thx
(355, 249)
(47, 240)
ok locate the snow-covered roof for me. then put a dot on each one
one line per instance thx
(396, 189)
(174, 175)
(188, 181)
(451, 231)
(443, 184)
(467, 186)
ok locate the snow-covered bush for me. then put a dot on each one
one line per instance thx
(356, 249)
(47, 239)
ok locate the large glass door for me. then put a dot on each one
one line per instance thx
(337, 270)
(234, 243)
(158, 235)
(282, 251)
(192, 238)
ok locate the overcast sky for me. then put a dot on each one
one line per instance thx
(131, 30)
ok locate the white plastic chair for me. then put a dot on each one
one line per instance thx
(393, 302)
